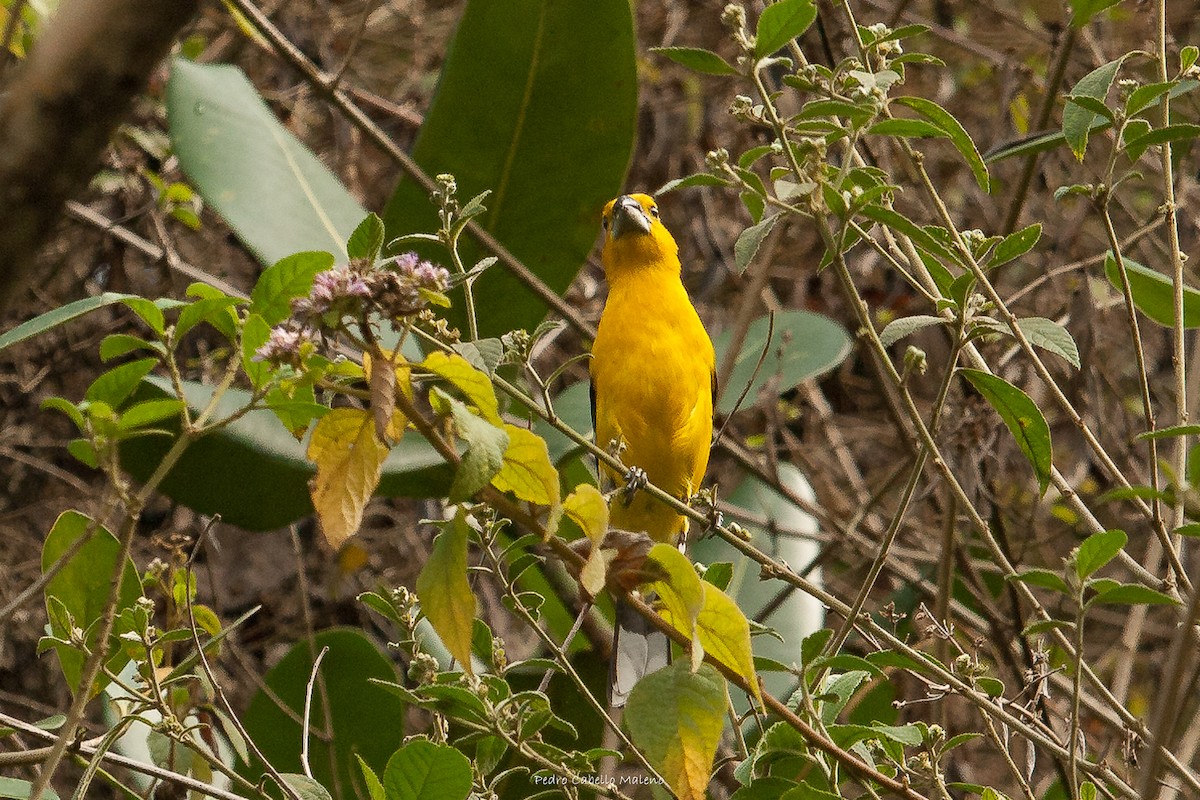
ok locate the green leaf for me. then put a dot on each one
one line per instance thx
(305, 787)
(149, 412)
(1097, 550)
(1083, 11)
(991, 686)
(957, 133)
(422, 770)
(1171, 432)
(1079, 121)
(1043, 578)
(1015, 245)
(116, 384)
(697, 59)
(274, 193)
(208, 309)
(367, 239)
(819, 109)
(81, 588)
(66, 407)
(1021, 416)
(254, 472)
(364, 717)
(286, 279)
(803, 345)
(116, 345)
(1134, 594)
(1187, 57)
(1169, 133)
(907, 128)
(897, 329)
(750, 240)
(58, 316)
(697, 179)
(1049, 335)
(375, 790)
(255, 334)
(1153, 293)
(838, 690)
(906, 227)
(676, 717)
(445, 594)
(537, 101)
(1191, 529)
(1141, 97)
(1095, 105)
(781, 22)
(485, 443)
(719, 574)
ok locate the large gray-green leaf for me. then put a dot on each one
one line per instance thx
(275, 194)
(537, 102)
(803, 345)
(254, 473)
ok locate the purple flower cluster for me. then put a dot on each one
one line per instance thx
(398, 287)
(284, 345)
(336, 290)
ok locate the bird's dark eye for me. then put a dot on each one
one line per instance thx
(654, 211)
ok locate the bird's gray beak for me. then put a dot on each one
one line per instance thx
(628, 216)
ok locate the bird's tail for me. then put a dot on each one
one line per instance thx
(639, 648)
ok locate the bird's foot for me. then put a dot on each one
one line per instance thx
(635, 480)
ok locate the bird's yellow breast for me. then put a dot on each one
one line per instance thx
(652, 370)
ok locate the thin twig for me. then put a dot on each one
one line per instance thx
(308, 692)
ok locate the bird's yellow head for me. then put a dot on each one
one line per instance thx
(635, 238)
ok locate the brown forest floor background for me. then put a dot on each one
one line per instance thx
(997, 52)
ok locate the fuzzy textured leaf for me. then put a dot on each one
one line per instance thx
(897, 329)
(288, 278)
(349, 461)
(422, 770)
(749, 240)
(1097, 550)
(676, 717)
(528, 473)
(780, 22)
(1153, 293)
(473, 383)
(1049, 335)
(588, 509)
(1079, 121)
(1022, 417)
(445, 594)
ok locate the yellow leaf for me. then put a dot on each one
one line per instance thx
(349, 461)
(587, 507)
(445, 594)
(680, 593)
(475, 385)
(704, 614)
(724, 632)
(529, 474)
(676, 717)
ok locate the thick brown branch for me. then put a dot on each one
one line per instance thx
(61, 108)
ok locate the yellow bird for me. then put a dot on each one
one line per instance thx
(653, 382)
